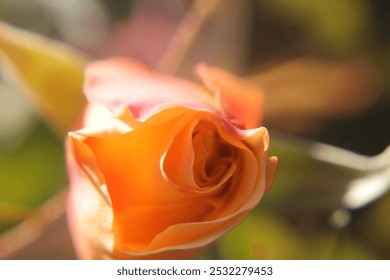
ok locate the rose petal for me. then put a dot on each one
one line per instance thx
(89, 215)
(239, 98)
(272, 164)
(181, 153)
(120, 81)
(190, 235)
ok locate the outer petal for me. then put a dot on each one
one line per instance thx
(117, 82)
(90, 216)
(272, 164)
(241, 100)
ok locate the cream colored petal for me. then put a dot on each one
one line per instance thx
(90, 216)
(85, 159)
(271, 172)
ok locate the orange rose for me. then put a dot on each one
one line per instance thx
(166, 169)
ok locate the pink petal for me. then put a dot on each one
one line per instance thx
(120, 81)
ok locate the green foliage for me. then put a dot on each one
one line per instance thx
(262, 236)
(30, 174)
(51, 73)
(339, 26)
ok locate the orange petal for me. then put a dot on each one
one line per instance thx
(240, 99)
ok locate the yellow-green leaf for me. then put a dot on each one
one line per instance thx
(50, 72)
(262, 236)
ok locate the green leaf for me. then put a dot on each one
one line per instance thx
(30, 174)
(262, 236)
(50, 72)
(341, 26)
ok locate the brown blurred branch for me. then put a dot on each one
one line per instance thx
(14, 241)
(186, 34)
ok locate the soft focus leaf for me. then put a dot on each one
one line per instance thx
(374, 227)
(335, 25)
(351, 250)
(266, 235)
(30, 174)
(11, 213)
(16, 117)
(262, 236)
(49, 71)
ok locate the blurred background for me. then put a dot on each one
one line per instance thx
(324, 67)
